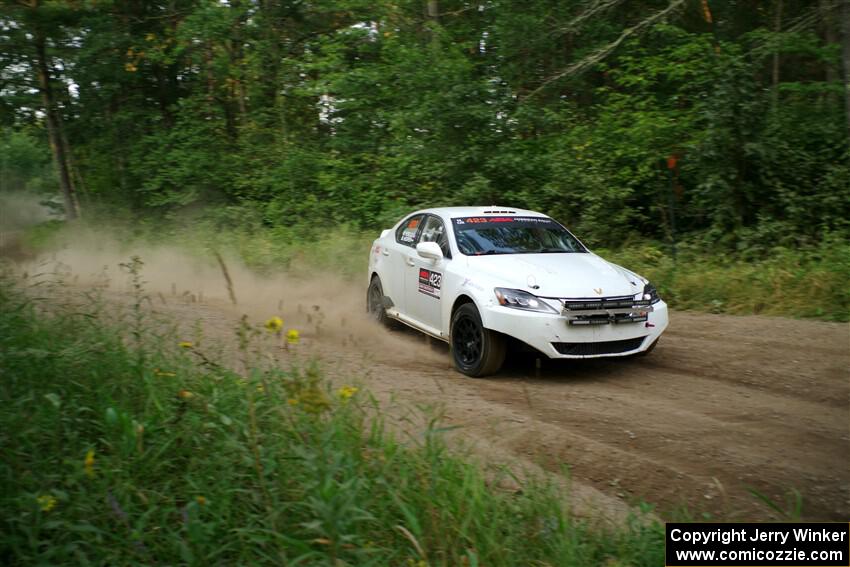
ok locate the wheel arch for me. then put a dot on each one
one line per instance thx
(374, 275)
(461, 299)
(480, 304)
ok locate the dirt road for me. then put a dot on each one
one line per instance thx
(724, 406)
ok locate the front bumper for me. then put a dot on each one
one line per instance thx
(551, 334)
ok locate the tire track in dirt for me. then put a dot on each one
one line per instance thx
(616, 438)
(723, 405)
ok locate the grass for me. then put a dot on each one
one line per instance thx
(805, 283)
(119, 446)
(802, 283)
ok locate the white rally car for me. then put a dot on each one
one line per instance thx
(473, 276)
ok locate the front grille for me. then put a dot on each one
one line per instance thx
(605, 310)
(602, 303)
(606, 347)
(604, 319)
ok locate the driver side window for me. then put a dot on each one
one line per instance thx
(435, 231)
(406, 233)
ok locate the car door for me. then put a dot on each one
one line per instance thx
(397, 258)
(423, 277)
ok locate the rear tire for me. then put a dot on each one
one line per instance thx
(375, 302)
(475, 351)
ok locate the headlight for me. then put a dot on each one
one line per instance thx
(519, 299)
(650, 293)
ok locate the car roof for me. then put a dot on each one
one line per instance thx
(456, 212)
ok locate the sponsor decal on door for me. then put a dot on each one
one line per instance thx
(430, 282)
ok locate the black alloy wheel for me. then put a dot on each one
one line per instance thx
(476, 351)
(466, 340)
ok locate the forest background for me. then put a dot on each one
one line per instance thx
(704, 142)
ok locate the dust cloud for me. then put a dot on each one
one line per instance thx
(326, 308)
(20, 210)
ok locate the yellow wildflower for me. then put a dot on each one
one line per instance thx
(46, 502)
(292, 336)
(130, 68)
(185, 395)
(346, 392)
(274, 325)
(88, 463)
(201, 500)
(185, 344)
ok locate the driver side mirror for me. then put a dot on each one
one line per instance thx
(430, 250)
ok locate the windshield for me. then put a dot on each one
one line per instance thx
(513, 235)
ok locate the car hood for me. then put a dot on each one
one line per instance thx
(571, 275)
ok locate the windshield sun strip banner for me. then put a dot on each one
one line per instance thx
(464, 223)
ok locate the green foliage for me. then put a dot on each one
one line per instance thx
(121, 447)
(286, 118)
(189, 163)
(808, 282)
(25, 163)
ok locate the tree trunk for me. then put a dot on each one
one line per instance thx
(777, 27)
(828, 35)
(828, 29)
(432, 9)
(54, 129)
(845, 56)
(237, 61)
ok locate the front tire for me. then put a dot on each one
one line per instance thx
(476, 351)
